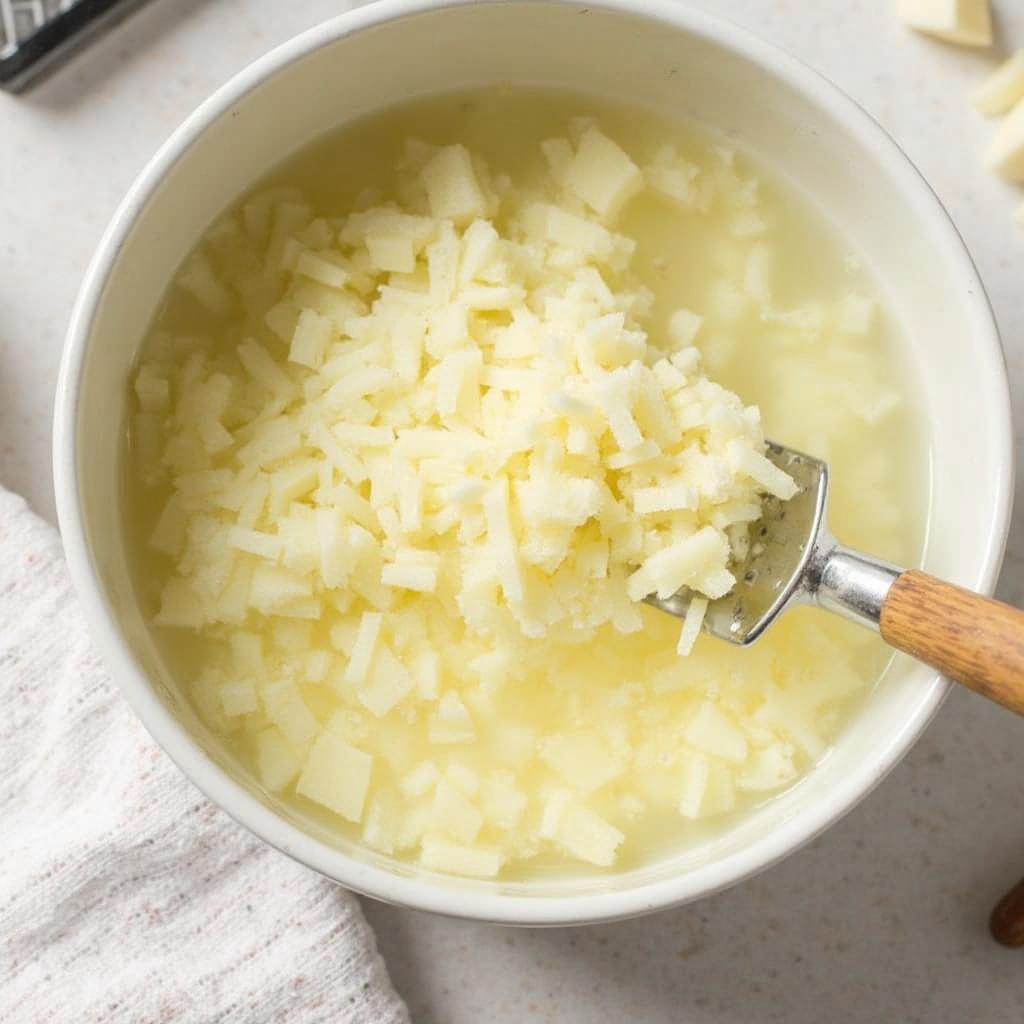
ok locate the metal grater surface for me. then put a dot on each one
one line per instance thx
(20, 19)
(36, 35)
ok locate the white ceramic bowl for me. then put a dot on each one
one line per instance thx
(653, 52)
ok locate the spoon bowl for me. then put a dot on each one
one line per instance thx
(794, 559)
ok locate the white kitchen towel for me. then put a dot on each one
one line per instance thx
(124, 894)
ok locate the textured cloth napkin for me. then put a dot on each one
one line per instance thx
(124, 894)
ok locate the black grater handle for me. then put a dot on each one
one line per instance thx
(36, 36)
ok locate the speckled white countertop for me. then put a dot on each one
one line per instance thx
(883, 918)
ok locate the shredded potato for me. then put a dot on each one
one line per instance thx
(429, 468)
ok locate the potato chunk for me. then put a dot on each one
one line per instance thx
(337, 776)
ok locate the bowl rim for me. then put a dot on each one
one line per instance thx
(475, 902)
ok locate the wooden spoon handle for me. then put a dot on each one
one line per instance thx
(972, 639)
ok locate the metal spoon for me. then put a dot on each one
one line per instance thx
(794, 559)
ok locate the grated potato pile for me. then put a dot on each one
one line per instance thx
(435, 454)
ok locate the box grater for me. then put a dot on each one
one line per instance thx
(36, 35)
